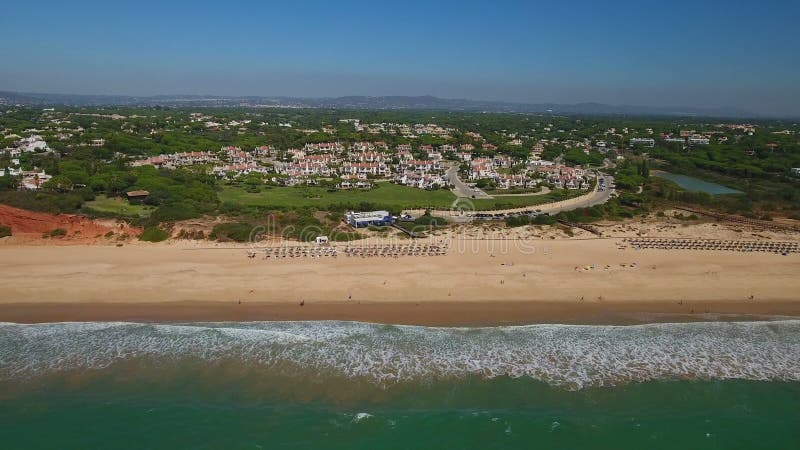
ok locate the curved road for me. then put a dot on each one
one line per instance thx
(543, 191)
(460, 188)
(463, 190)
(596, 197)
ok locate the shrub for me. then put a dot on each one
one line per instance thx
(427, 219)
(5, 231)
(86, 193)
(153, 234)
(517, 221)
(544, 220)
(58, 232)
(303, 226)
(232, 231)
(231, 209)
(42, 201)
(171, 213)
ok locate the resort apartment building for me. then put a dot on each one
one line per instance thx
(482, 168)
(421, 180)
(365, 168)
(324, 147)
(422, 166)
(698, 140)
(176, 160)
(644, 142)
(32, 144)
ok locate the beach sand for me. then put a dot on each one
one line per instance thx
(477, 282)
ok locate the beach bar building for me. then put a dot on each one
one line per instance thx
(137, 196)
(365, 219)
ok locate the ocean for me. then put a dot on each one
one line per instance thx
(350, 385)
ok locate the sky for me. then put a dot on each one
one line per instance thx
(709, 53)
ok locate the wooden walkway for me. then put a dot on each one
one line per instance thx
(764, 224)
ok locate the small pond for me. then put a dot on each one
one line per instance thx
(696, 184)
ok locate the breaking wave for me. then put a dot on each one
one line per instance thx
(569, 356)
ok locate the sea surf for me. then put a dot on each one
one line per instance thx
(360, 385)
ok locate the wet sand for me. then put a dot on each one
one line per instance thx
(488, 313)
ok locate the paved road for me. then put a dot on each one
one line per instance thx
(463, 190)
(608, 164)
(597, 197)
(593, 198)
(460, 188)
(545, 190)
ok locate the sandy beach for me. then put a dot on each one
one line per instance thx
(481, 280)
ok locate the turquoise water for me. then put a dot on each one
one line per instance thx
(355, 385)
(696, 184)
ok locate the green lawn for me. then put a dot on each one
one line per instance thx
(524, 200)
(385, 195)
(118, 206)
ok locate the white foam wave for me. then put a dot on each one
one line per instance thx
(361, 416)
(567, 355)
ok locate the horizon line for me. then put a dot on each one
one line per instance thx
(677, 110)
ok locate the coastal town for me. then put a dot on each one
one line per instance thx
(288, 186)
(548, 155)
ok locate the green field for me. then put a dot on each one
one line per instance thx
(524, 200)
(385, 195)
(117, 206)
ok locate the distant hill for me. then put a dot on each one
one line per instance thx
(365, 102)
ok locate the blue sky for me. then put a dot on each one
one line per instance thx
(679, 53)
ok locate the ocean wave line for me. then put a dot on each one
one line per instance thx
(571, 356)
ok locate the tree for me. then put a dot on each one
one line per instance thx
(59, 183)
(254, 179)
(9, 182)
(643, 169)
